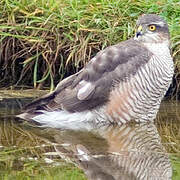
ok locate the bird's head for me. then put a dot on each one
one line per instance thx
(152, 28)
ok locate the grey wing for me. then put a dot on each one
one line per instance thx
(91, 86)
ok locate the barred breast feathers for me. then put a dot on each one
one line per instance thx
(139, 97)
(163, 58)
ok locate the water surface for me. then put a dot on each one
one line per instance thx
(131, 151)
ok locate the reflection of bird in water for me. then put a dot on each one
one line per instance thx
(131, 152)
(122, 82)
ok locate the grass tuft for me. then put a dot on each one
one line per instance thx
(43, 41)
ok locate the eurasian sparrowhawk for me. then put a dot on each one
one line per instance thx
(123, 82)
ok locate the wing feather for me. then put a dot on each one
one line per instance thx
(91, 86)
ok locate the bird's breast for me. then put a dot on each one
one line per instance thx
(139, 96)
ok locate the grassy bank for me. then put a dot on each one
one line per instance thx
(43, 41)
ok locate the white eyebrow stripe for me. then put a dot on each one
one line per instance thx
(160, 23)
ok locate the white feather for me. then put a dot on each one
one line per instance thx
(66, 120)
(87, 88)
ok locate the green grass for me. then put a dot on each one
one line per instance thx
(42, 41)
(176, 167)
(37, 169)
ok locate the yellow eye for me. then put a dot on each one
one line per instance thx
(152, 27)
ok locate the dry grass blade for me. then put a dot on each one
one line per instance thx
(67, 34)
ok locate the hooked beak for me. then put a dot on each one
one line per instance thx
(139, 31)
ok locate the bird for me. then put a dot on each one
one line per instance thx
(122, 83)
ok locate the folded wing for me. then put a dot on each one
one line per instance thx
(91, 86)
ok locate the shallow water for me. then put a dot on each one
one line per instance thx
(131, 151)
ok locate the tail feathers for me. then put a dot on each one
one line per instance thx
(28, 116)
(39, 104)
